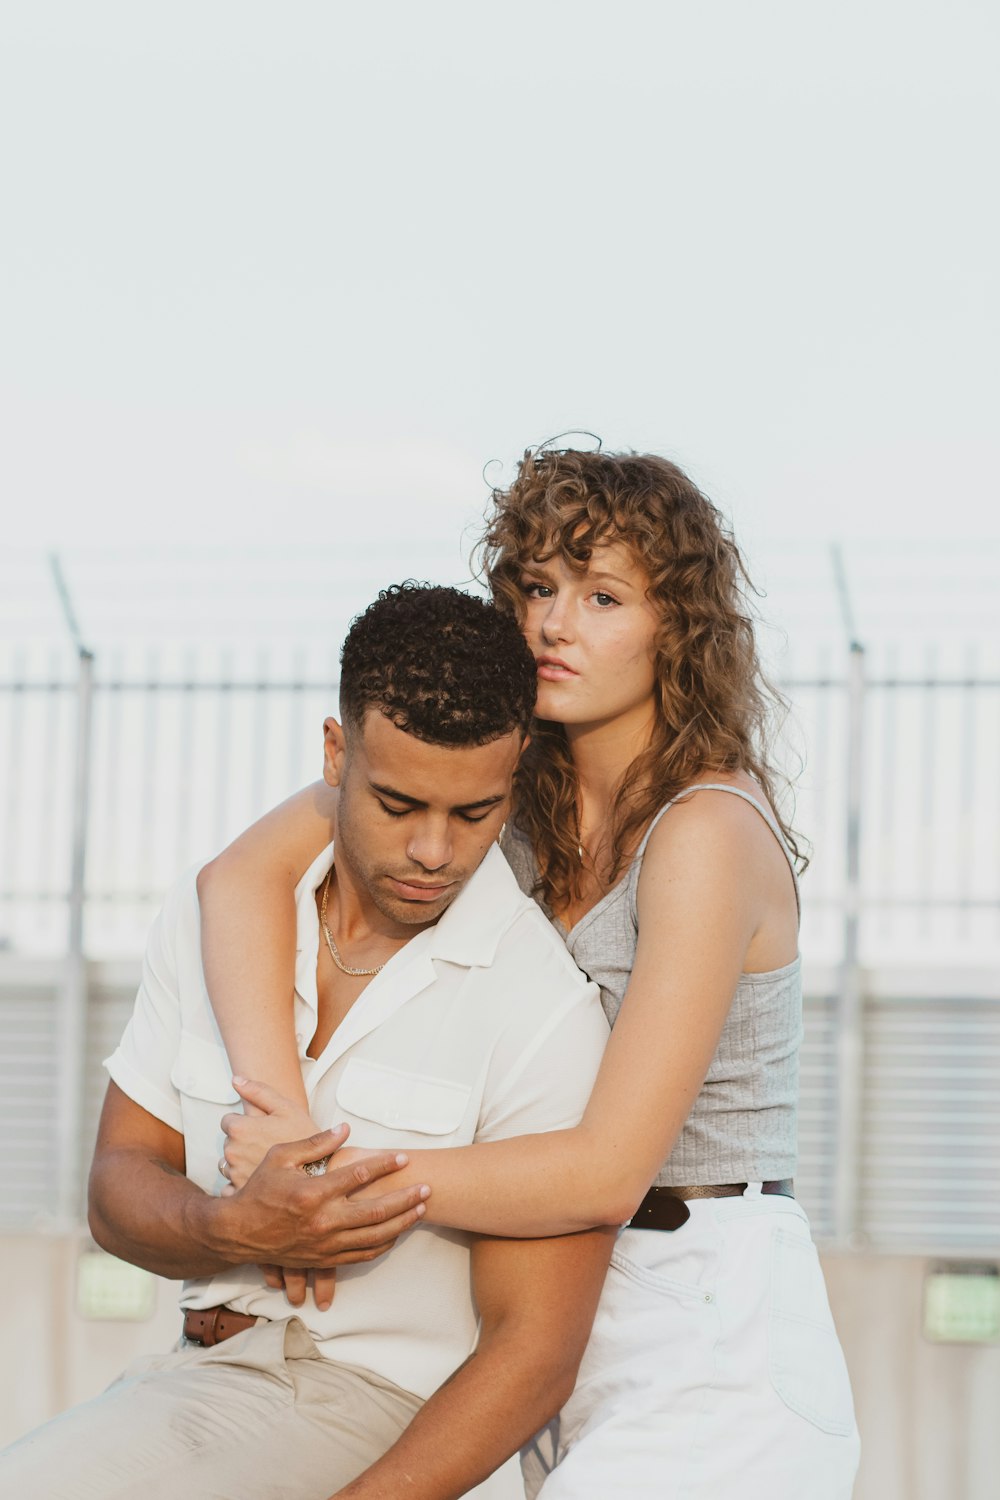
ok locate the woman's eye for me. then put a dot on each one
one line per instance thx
(602, 600)
(394, 812)
(537, 590)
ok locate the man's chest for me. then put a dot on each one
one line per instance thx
(336, 996)
(418, 1080)
(339, 988)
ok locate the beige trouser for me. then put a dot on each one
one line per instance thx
(261, 1416)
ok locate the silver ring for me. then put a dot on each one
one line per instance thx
(316, 1168)
(224, 1168)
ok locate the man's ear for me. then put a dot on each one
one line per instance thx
(334, 752)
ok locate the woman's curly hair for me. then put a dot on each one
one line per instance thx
(714, 704)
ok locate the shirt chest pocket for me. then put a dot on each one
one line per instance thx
(391, 1104)
(202, 1077)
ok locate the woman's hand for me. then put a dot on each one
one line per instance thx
(295, 1284)
(250, 1137)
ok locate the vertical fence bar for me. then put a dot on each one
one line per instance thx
(967, 840)
(930, 796)
(73, 1000)
(72, 1004)
(184, 823)
(850, 1017)
(11, 854)
(888, 795)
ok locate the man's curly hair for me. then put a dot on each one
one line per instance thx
(441, 665)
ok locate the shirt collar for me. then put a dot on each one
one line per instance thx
(307, 927)
(467, 933)
(470, 930)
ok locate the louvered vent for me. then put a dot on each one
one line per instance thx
(28, 1053)
(817, 1115)
(930, 1140)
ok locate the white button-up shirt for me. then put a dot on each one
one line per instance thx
(480, 1027)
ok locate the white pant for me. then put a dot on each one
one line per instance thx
(713, 1370)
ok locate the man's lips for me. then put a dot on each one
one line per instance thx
(415, 892)
(552, 669)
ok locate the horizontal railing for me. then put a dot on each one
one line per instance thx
(111, 783)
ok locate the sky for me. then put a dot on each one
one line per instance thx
(285, 290)
(303, 275)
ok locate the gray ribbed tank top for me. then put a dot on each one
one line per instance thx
(742, 1127)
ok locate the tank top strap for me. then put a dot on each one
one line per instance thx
(637, 857)
(736, 791)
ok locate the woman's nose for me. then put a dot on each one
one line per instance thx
(556, 624)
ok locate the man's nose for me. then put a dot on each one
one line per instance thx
(430, 845)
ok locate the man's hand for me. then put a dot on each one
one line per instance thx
(275, 1120)
(285, 1217)
(144, 1210)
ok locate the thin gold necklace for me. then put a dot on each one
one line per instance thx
(334, 953)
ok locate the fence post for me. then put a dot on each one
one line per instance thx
(850, 1043)
(850, 997)
(72, 1006)
(73, 1001)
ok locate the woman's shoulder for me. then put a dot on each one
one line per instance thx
(722, 856)
(517, 849)
(722, 820)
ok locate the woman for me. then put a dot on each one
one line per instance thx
(644, 824)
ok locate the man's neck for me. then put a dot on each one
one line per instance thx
(367, 949)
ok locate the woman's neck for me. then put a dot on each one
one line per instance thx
(602, 754)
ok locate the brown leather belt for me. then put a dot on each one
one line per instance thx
(662, 1208)
(666, 1208)
(210, 1325)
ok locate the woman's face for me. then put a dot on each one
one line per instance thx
(592, 635)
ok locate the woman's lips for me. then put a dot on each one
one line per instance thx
(551, 669)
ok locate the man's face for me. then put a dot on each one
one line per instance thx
(414, 820)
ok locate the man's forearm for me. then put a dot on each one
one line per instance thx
(147, 1212)
(537, 1300)
(493, 1404)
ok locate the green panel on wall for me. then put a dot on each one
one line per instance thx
(110, 1288)
(962, 1303)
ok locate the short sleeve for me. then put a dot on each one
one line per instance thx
(142, 1062)
(542, 1072)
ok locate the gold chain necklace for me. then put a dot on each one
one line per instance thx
(334, 953)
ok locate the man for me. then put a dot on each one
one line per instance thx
(459, 1018)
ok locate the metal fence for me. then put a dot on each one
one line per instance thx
(115, 778)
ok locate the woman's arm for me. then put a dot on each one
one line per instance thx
(712, 879)
(247, 900)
